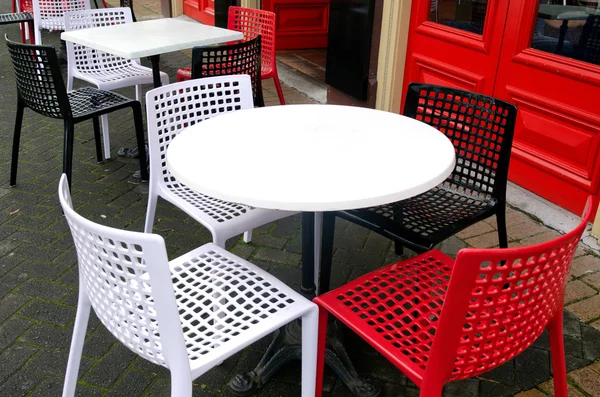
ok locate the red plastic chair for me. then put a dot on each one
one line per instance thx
(440, 320)
(252, 22)
(24, 6)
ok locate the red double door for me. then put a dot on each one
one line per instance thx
(509, 50)
(200, 10)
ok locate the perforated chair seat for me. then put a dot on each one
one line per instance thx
(244, 301)
(430, 217)
(17, 17)
(396, 308)
(118, 75)
(89, 101)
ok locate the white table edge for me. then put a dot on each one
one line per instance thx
(73, 38)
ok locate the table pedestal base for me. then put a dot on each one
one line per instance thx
(286, 346)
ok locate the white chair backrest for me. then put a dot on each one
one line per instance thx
(49, 14)
(127, 279)
(174, 107)
(83, 58)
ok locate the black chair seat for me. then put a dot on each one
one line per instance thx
(17, 17)
(88, 102)
(424, 220)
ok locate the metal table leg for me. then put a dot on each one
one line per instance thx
(286, 344)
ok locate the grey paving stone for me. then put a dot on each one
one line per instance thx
(49, 337)
(49, 313)
(133, 384)
(527, 375)
(52, 387)
(276, 256)
(13, 358)
(52, 363)
(44, 290)
(10, 304)
(110, 367)
(20, 384)
(11, 330)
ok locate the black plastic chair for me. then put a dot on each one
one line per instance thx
(22, 18)
(128, 3)
(41, 88)
(242, 58)
(481, 129)
(588, 49)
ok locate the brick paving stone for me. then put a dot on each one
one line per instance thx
(577, 290)
(593, 280)
(525, 229)
(11, 330)
(10, 304)
(540, 237)
(44, 290)
(586, 379)
(585, 265)
(48, 337)
(531, 393)
(277, 256)
(475, 230)
(110, 367)
(53, 363)
(49, 313)
(13, 358)
(133, 384)
(487, 240)
(588, 309)
(52, 387)
(548, 388)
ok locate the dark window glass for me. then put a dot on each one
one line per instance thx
(467, 15)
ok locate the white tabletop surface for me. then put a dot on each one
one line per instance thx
(152, 37)
(311, 157)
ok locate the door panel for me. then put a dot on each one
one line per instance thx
(300, 23)
(200, 10)
(557, 136)
(454, 43)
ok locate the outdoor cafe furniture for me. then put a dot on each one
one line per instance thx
(21, 18)
(192, 102)
(240, 58)
(439, 320)
(481, 129)
(24, 6)
(103, 70)
(50, 14)
(565, 13)
(188, 314)
(150, 39)
(309, 158)
(253, 23)
(41, 88)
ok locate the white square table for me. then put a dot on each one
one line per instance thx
(150, 39)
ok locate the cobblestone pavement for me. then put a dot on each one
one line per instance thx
(38, 273)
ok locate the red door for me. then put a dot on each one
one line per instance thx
(200, 10)
(299, 23)
(557, 140)
(455, 43)
(510, 49)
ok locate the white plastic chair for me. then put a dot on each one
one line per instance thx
(105, 71)
(49, 14)
(193, 101)
(215, 305)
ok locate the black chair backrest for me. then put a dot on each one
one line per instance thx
(481, 129)
(241, 58)
(589, 42)
(128, 3)
(40, 84)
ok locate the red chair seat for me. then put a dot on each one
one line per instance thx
(184, 74)
(396, 308)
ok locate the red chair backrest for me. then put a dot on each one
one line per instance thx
(26, 5)
(498, 303)
(252, 23)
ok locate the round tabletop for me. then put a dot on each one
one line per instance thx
(311, 157)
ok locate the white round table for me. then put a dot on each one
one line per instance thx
(309, 158)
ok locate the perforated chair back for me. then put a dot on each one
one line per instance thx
(86, 59)
(589, 42)
(253, 23)
(174, 107)
(481, 129)
(126, 277)
(25, 5)
(39, 81)
(50, 14)
(498, 303)
(241, 58)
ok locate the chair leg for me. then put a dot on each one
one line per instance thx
(248, 236)
(23, 33)
(16, 142)
(68, 150)
(38, 36)
(310, 323)
(139, 135)
(322, 344)
(150, 211)
(31, 33)
(318, 228)
(81, 322)
(557, 352)
(398, 248)
(501, 220)
(105, 135)
(96, 124)
(138, 93)
(70, 79)
(278, 87)
(326, 251)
